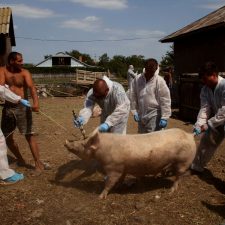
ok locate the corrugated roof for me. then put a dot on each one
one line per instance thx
(216, 18)
(5, 15)
(6, 23)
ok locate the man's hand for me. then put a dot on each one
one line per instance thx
(104, 127)
(79, 121)
(136, 117)
(163, 123)
(25, 102)
(197, 130)
(35, 108)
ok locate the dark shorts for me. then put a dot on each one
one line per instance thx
(16, 115)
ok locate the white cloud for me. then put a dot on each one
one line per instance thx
(25, 11)
(90, 23)
(103, 4)
(134, 34)
(213, 6)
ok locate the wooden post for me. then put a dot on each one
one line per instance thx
(76, 77)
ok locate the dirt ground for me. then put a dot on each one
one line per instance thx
(61, 196)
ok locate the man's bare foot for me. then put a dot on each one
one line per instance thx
(42, 166)
(39, 167)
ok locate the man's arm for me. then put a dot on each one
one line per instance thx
(89, 104)
(122, 109)
(132, 74)
(8, 95)
(2, 76)
(32, 88)
(165, 99)
(219, 118)
(204, 111)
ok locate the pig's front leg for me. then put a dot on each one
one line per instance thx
(112, 179)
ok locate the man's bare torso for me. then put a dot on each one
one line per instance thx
(15, 81)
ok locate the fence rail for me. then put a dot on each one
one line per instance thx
(84, 77)
(70, 83)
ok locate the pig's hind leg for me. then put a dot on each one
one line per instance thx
(112, 179)
(179, 171)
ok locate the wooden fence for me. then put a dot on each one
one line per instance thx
(85, 77)
(81, 77)
(70, 84)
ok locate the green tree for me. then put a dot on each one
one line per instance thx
(118, 66)
(104, 61)
(168, 59)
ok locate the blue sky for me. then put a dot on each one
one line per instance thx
(95, 27)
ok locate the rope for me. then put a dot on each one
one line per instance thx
(15, 127)
(50, 118)
(10, 133)
(45, 116)
(82, 131)
(53, 120)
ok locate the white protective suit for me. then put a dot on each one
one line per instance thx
(212, 104)
(130, 75)
(115, 107)
(150, 100)
(5, 171)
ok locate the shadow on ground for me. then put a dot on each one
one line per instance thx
(84, 181)
(209, 178)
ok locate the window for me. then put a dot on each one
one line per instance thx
(61, 61)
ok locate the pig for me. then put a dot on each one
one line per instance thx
(137, 154)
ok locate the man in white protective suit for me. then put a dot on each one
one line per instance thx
(115, 105)
(211, 116)
(130, 75)
(7, 175)
(150, 99)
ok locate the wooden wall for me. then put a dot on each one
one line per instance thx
(190, 53)
(5, 49)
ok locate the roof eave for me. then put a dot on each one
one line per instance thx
(12, 34)
(168, 38)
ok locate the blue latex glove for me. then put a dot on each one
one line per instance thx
(197, 131)
(136, 117)
(162, 123)
(25, 102)
(79, 121)
(104, 127)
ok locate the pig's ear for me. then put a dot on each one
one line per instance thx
(93, 141)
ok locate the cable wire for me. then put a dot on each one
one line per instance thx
(85, 41)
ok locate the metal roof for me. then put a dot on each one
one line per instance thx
(6, 24)
(212, 20)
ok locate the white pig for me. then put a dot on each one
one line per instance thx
(138, 155)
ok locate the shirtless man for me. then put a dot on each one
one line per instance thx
(19, 81)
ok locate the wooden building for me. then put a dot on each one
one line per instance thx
(196, 43)
(7, 37)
